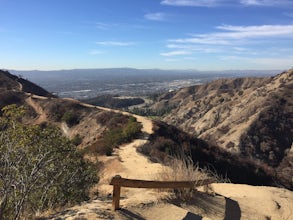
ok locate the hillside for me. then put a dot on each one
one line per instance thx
(14, 89)
(86, 125)
(252, 117)
(16, 83)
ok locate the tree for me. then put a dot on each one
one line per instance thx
(39, 168)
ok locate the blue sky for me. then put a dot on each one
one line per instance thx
(166, 34)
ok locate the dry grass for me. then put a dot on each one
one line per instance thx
(182, 168)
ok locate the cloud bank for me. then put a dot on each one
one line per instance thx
(215, 3)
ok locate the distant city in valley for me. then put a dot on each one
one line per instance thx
(89, 83)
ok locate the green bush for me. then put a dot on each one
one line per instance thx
(39, 168)
(70, 118)
(116, 135)
(76, 140)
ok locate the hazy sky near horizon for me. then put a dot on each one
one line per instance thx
(166, 34)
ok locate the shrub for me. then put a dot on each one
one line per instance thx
(39, 168)
(70, 118)
(122, 129)
(76, 140)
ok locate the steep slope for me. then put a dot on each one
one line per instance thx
(8, 81)
(85, 124)
(15, 83)
(248, 116)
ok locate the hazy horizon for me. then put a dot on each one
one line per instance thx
(87, 83)
(159, 69)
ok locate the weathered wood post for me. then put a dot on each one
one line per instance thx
(116, 191)
(117, 182)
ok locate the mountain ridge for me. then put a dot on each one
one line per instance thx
(252, 117)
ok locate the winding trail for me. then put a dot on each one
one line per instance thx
(42, 117)
(128, 163)
(231, 201)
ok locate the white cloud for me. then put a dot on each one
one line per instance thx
(240, 49)
(230, 35)
(156, 16)
(202, 39)
(172, 60)
(215, 3)
(195, 3)
(266, 2)
(263, 62)
(193, 48)
(190, 58)
(251, 44)
(175, 53)
(96, 52)
(114, 26)
(237, 32)
(115, 43)
(105, 26)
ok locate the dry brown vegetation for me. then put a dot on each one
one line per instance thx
(249, 117)
(183, 168)
(237, 114)
(17, 83)
(168, 141)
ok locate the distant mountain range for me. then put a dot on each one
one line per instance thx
(87, 83)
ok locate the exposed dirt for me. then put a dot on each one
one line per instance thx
(42, 117)
(227, 201)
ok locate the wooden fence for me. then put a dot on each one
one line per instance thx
(118, 182)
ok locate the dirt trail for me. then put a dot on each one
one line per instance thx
(20, 86)
(146, 123)
(229, 202)
(42, 117)
(128, 163)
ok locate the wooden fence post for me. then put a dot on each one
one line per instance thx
(118, 182)
(116, 192)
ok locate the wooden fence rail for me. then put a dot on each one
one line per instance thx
(118, 182)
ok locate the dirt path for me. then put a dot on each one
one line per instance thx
(42, 117)
(229, 202)
(146, 123)
(128, 163)
(20, 86)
